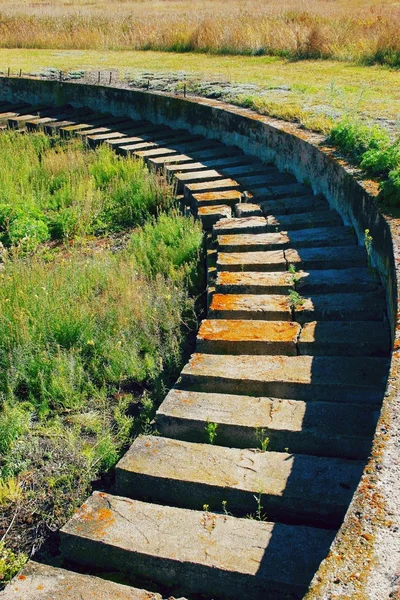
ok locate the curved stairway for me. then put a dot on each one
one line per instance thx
(287, 380)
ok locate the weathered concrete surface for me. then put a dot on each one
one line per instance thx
(336, 281)
(345, 338)
(273, 260)
(254, 283)
(299, 488)
(248, 210)
(42, 582)
(299, 377)
(368, 306)
(207, 186)
(249, 306)
(321, 428)
(248, 225)
(219, 336)
(342, 257)
(230, 197)
(305, 238)
(199, 551)
(320, 218)
(210, 215)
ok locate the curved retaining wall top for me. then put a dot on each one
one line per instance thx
(364, 561)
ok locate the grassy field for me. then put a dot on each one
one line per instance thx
(345, 30)
(91, 334)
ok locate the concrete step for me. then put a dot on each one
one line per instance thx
(266, 180)
(305, 238)
(228, 282)
(215, 152)
(368, 306)
(248, 210)
(327, 257)
(336, 281)
(281, 191)
(230, 197)
(271, 307)
(297, 488)
(308, 220)
(257, 168)
(195, 551)
(248, 225)
(293, 205)
(209, 215)
(344, 338)
(334, 379)
(209, 186)
(273, 260)
(152, 152)
(156, 142)
(159, 162)
(44, 582)
(196, 177)
(315, 428)
(232, 336)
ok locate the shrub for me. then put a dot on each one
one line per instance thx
(355, 138)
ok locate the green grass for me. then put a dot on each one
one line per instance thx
(371, 148)
(64, 191)
(90, 338)
(316, 87)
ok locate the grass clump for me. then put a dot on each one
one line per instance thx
(371, 148)
(65, 191)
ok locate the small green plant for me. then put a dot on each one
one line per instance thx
(296, 300)
(10, 562)
(294, 277)
(259, 515)
(206, 507)
(262, 439)
(225, 509)
(211, 431)
(368, 239)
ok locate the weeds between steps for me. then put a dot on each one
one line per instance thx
(211, 431)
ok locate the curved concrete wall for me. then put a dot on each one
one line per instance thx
(364, 559)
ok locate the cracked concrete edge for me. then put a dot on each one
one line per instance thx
(364, 561)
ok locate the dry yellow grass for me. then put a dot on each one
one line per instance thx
(352, 30)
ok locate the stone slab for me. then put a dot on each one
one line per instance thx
(327, 257)
(273, 260)
(305, 238)
(282, 191)
(248, 225)
(272, 178)
(294, 488)
(318, 428)
(210, 186)
(248, 210)
(229, 282)
(334, 379)
(250, 306)
(325, 281)
(368, 306)
(42, 582)
(201, 552)
(210, 215)
(230, 197)
(232, 336)
(307, 220)
(345, 338)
